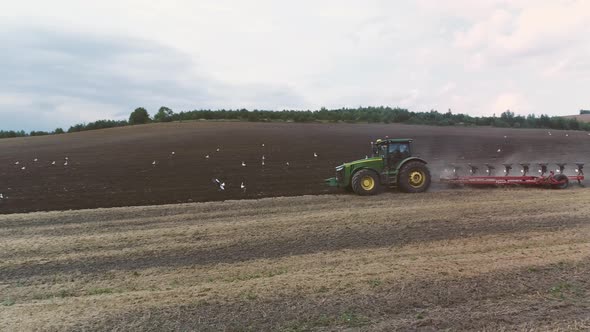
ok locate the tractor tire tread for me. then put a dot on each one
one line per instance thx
(357, 179)
(404, 173)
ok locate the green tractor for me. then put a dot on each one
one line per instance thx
(391, 165)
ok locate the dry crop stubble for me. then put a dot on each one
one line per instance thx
(468, 259)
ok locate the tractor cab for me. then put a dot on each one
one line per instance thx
(393, 151)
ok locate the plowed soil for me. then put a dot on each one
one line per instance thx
(114, 167)
(457, 260)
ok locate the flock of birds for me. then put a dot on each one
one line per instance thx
(24, 168)
(221, 184)
(17, 163)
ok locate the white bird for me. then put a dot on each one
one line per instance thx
(499, 150)
(262, 144)
(242, 186)
(16, 163)
(220, 184)
(217, 150)
(66, 163)
(549, 133)
(154, 162)
(1, 196)
(23, 168)
(35, 160)
(263, 163)
(243, 164)
(315, 155)
(66, 158)
(207, 157)
(366, 157)
(172, 153)
(262, 157)
(566, 135)
(53, 162)
(505, 136)
(287, 163)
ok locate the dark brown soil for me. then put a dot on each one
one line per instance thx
(113, 167)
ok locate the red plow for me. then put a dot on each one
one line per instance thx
(556, 179)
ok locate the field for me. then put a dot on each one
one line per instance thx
(493, 260)
(114, 167)
(258, 259)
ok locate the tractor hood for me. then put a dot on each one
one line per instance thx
(361, 162)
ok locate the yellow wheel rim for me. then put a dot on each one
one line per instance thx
(417, 179)
(367, 183)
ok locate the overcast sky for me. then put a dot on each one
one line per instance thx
(66, 62)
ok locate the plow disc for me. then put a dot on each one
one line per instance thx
(546, 178)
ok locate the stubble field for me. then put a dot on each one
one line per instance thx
(468, 259)
(495, 260)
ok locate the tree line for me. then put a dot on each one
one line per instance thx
(381, 114)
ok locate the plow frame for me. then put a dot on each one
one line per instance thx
(476, 180)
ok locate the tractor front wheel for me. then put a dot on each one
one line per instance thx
(414, 177)
(365, 182)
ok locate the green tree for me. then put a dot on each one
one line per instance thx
(58, 131)
(164, 115)
(139, 116)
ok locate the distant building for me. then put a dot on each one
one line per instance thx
(584, 112)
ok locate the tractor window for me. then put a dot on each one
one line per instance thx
(394, 148)
(398, 152)
(404, 149)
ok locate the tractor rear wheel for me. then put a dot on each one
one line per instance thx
(414, 177)
(365, 182)
(560, 178)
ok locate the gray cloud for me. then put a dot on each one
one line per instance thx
(90, 60)
(57, 78)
